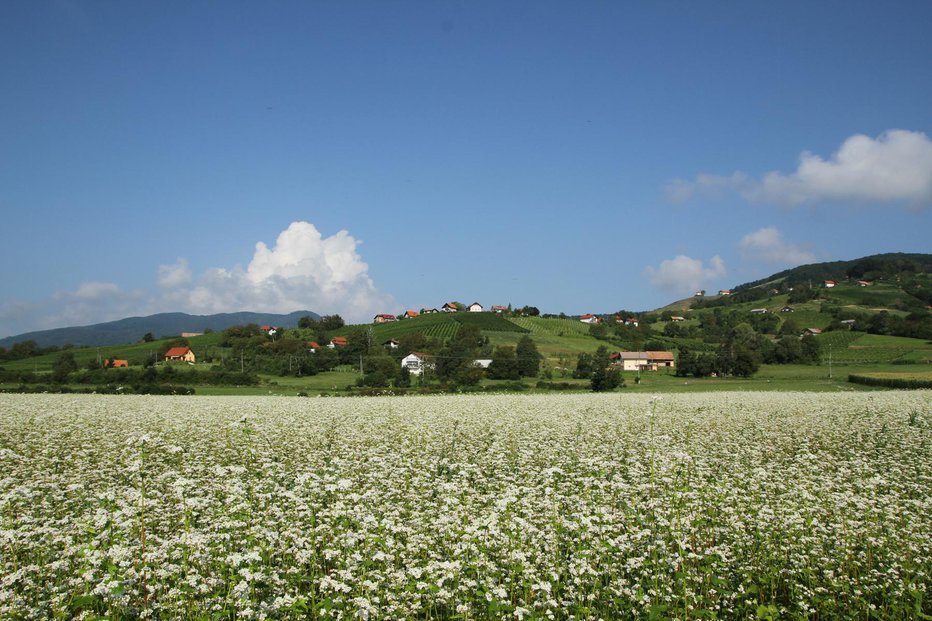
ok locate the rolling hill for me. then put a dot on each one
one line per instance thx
(132, 329)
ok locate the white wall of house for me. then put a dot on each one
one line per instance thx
(414, 364)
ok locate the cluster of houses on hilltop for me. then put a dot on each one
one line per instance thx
(449, 307)
(829, 284)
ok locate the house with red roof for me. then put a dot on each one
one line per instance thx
(182, 354)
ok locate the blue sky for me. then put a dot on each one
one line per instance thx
(373, 157)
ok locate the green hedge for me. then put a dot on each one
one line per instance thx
(890, 382)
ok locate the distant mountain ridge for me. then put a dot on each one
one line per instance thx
(132, 329)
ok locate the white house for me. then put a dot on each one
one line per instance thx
(416, 362)
(391, 344)
(829, 284)
(587, 318)
(643, 360)
(482, 363)
(449, 307)
(758, 311)
(475, 307)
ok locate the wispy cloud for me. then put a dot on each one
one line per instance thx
(683, 274)
(895, 167)
(768, 246)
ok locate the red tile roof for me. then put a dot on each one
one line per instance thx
(177, 352)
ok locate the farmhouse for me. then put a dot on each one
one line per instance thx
(677, 318)
(416, 363)
(812, 332)
(632, 321)
(116, 364)
(312, 346)
(498, 308)
(482, 363)
(724, 291)
(864, 283)
(587, 318)
(410, 314)
(183, 354)
(338, 341)
(829, 284)
(758, 311)
(449, 307)
(391, 344)
(383, 318)
(643, 360)
(429, 311)
(786, 309)
(475, 307)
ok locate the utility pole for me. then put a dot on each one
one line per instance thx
(830, 361)
(242, 367)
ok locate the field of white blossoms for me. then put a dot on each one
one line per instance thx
(720, 505)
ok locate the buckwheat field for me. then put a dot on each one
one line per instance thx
(588, 506)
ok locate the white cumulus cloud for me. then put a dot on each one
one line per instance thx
(302, 270)
(683, 274)
(895, 167)
(767, 245)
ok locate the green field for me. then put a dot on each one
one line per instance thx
(879, 349)
(559, 341)
(552, 326)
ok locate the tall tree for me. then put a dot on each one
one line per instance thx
(504, 363)
(528, 357)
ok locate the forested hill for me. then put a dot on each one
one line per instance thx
(874, 267)
(132, 329)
